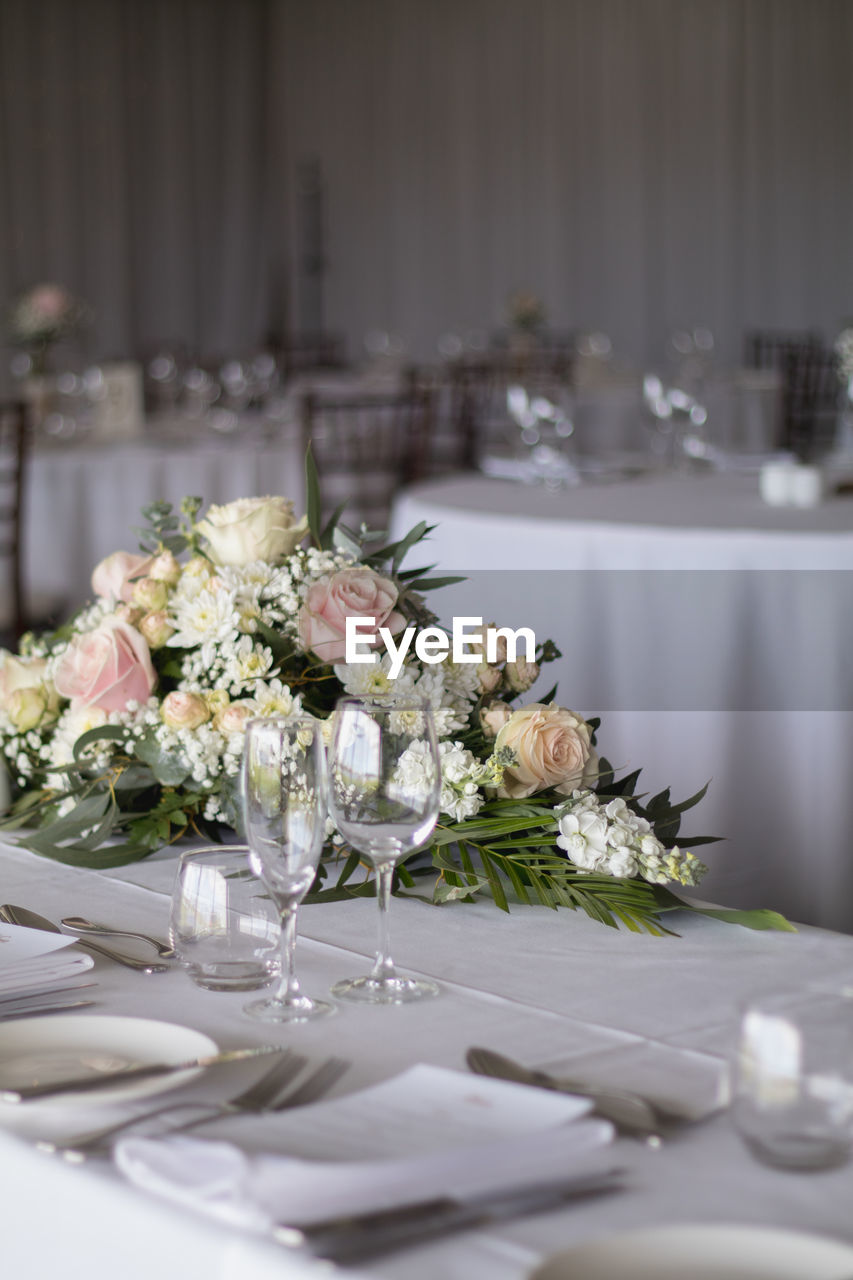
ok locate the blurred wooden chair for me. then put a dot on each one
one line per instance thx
(367, 446)
(13, 447)
(771, 348)
(305, 352)
(477, 392)
(810, 401)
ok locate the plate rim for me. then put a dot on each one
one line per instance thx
(574, 1253)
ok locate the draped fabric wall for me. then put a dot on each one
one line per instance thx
(640, 164)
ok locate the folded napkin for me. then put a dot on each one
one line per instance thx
(32, 961)
(257, 1193)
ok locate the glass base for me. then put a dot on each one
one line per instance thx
(299, 1009)
(232, 975)
(801, 1151)
(397, 990)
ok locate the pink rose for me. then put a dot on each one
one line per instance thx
(107, 668)
(113, 577)
(349, 593)
(180, 710)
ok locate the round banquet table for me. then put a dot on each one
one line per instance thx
(712, 635)
(83, 500)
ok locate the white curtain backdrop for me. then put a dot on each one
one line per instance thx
(640, 164)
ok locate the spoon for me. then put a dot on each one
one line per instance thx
(627, 1111)
(79, 925)
(31, 920)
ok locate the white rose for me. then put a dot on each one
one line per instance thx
(252, 529)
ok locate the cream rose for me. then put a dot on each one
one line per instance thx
(108, 668)
(349, 593)
(552, 746)
(113, 578)
(165, 568)
(27, 708)
(19, 673)
(252, 529)
(181, 710)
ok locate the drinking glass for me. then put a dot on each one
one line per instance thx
(285, 802)
(793, 1079)
(223, 927)
(385, 782)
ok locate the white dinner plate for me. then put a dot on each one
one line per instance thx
(703, 1252)
(61, 1046)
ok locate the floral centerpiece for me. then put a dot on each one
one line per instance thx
(525, 312)
(40, 318)
(123, 731)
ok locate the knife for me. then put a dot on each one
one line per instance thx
(85, 1084)
(348, 1240)
(32, 920)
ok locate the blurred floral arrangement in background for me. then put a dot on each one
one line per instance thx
(123, 731)
(43, 316)
(525, 312)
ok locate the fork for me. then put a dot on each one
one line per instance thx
(257, 1097)
(262, 1096)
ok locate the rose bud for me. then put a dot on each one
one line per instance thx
(165, 568)
(129, 614)
(234, 717)
(521, 674)
(156, 628)
(489, 677)
(494, 717)
(182, 710)
(150, 595)
(216, 699)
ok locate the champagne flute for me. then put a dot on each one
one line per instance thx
(285, 803)
(385, 781)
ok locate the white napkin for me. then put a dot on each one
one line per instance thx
(427, 1132)
(33, 961)
(260, 1192)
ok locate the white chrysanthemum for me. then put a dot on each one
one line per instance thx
(272, 698)
(612, 839)
(247, 663)
(373, 679)
(203, 620)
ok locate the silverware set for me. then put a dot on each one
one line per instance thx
(283, 1086)
(11, 914)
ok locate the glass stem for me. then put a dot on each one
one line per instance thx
(383, 970)
(288, 989)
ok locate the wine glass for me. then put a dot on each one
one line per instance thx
(285, 802)
(385, 781)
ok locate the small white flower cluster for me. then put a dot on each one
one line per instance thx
(462, 776)
(450, 688)
(611, 839)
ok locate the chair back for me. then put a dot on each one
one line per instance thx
(366, 447)
(771, 348)
(810, 401)
(13, 443)
(478, 393)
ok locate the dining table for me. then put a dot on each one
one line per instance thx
(653, 1014)
(708, 630)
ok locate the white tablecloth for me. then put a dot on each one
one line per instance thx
(82, 501)
(537, 984)
(740, 674)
